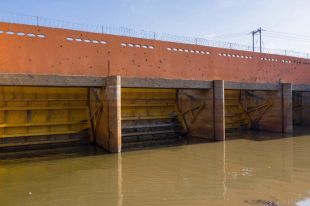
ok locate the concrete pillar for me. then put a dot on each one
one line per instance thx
(113, 96)
(306, 109)
(219, 110)
(287, 108)
(108, 125)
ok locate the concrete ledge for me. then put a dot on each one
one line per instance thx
(165, 83)
(301, 87)
(50, 80)
(252, 86)
(87, 81)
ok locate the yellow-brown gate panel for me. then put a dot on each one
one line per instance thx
(42, 111)
(235, 116)
(150, 117)
(139, 103)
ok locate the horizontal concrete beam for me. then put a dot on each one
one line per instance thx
(50, 80)
(87, 81)
(252, 86)
(301, 87)
(165, 83)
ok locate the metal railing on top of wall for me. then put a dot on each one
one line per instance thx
(128, 32)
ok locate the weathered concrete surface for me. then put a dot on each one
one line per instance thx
(113, 94)
(107, 120)
(287, 108)
(301, 87)
(297, 108)
(50, 80)
(165, 83)
(134, 57)
(198, 108)
(219, 110)
(251, 86)
(56, 61)
(306, 108)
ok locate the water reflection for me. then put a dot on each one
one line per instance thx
(305, 202)
(241, 171)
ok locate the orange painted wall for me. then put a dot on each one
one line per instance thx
(54, 54)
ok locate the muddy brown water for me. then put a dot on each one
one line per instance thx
(253, 170)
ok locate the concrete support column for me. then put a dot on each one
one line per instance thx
(113, 97)
(106, 121)
(219, 110)
(287, 108)
(306, 109)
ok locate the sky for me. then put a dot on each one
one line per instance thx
(286, 22)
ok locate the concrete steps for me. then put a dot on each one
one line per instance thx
(173, 141)
(146, 133)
